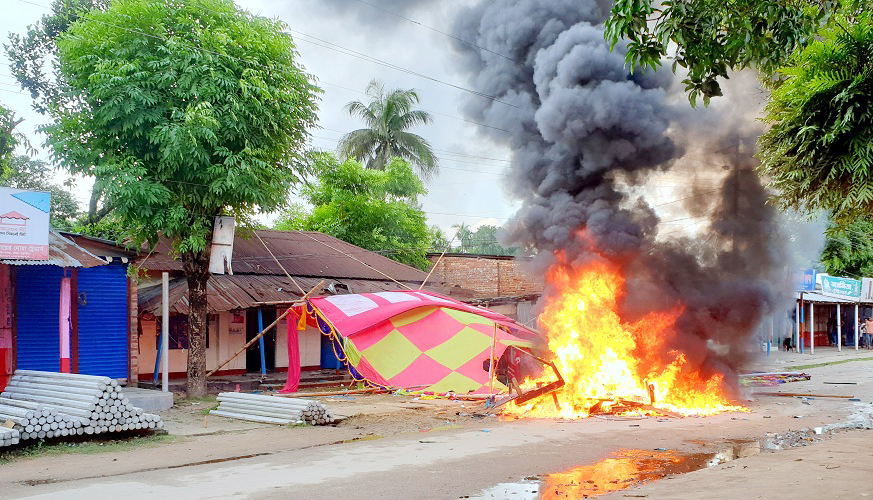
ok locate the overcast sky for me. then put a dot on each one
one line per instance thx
(468, 188)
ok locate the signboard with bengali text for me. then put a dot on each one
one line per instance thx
(804, 280)
(24, 224)
(844, 288)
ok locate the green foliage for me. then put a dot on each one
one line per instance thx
(374, 209)
(709, 37)
(481, 241)
(182, 112)
(9, 137)
(22, 172)
(848, 251)
(819, 149)
(293, 218)
(32, 53)
(110, 227)
(438, 239)
(387, 116)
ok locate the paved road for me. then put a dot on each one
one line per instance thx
(452, 463)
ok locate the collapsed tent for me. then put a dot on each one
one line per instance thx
(417, 340)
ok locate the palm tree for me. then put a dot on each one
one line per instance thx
(465, 236)
(388, 115)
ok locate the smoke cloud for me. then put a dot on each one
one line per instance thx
(586, 134)
(373, 16)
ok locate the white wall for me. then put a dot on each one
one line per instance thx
(309, 341)
(222, 345)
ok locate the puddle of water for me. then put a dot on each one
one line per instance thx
(626, 469)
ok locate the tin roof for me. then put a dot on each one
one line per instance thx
(301, 253)
(63, 253)
(819, 297)
(241, 291)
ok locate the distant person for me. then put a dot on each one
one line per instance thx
(832, 329)
(868, 332)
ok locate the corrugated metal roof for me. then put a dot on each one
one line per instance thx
(241, 291)
(63, 253)
(824, 299)
(302, 253)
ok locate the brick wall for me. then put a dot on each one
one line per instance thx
(487, 276)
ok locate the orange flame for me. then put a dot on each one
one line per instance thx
(605, 360)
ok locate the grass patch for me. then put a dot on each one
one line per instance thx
(817, 365)
(94, 445)
(209, 408)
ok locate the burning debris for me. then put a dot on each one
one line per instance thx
(633, 317)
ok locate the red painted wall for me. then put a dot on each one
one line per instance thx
(7, 342)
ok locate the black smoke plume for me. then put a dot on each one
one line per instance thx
(584, 133)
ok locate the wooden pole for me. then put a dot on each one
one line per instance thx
(331, 393)
(435, 264)
(491, 363)
(265, 330)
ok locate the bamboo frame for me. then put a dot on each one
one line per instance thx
(257, 337)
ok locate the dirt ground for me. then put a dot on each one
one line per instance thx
(420, 442)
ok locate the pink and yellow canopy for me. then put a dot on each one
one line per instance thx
(418, 340)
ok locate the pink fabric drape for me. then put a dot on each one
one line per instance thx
(293, 354)
(64, 325)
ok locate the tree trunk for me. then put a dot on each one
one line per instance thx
(196, 266)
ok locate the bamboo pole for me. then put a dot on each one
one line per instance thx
(491, 363)
(265, 330)
(435, 264)
(332, 393)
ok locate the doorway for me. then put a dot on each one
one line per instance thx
(253, 354)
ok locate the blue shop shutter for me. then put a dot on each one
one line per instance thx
(103, 321)
(38, 290)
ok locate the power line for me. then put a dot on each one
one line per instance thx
(320, 81)
(329, 84)
(442, 167)
(465, 155)
(471, 44)
(353, 53)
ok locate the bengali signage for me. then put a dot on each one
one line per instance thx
(844, 288)
(804, 280)
(24, 224)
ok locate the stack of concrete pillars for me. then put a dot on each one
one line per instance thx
(271, 409)
(43, 405)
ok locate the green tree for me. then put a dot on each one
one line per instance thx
(33, 53)
(848, 250)
(484, 241)
(438, 239)
(183, 111)
(9, 137)
(388, 116)
(818, 151)
(710, 37)
(23, 172)
(374, 209)
(464, 235)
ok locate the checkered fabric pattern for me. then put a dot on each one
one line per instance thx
(429, 348)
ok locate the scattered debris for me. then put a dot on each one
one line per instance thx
(771, 378)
